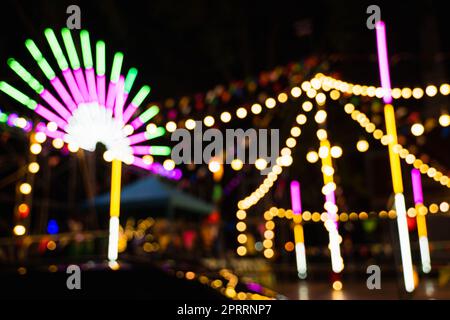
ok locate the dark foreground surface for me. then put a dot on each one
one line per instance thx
(136, 283)
(357, 290)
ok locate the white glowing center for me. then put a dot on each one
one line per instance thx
(91, 123)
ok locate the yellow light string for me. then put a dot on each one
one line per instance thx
(25, 189)
(404, 153)
(260, 192)
(256, 108)
(328, 83)
(378, 134)
(228, 289)
(329, 187)
(343, 217)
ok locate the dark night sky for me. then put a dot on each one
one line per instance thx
(181, 47)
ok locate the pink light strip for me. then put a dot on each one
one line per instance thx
(70, 80)
(383, 61)
(64, 95)
(90, 78)
(55, 104)
(136, 123)
(52, 134)
(141, 150)
(330, 197)
(129, 112)
(82, 84)
(50, 116)
(139, 162)
(118, 109)
(296, 197)
(111, 96)
(417, 186)
(158, 169)
(125, 97)
(101, 89)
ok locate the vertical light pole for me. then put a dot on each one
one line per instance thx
(300, 253)
(114, 211)
(328, 189)
(394, 159)
(421, 221)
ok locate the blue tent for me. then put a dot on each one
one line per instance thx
(150, 192)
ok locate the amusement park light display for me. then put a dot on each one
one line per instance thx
(85, 112)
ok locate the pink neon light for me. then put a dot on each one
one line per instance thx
(139, 162)
(158, 168)
(54, 134)
(50, 116)
(64, 95)
(41, 127)
(383, 61)
(330, 197)
(136, 123)
(101, 89)
(82, 84)
(125, 97)
(296, 197)
(118, 109)
(111, 96)
(90, 78)
(70, 80)
(141, 150)
(129, 112)
(417, 186)
(55, 104)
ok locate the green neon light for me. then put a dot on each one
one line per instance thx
(160, 150)
(3, 117)
(86, 49)
(160, 131)
(129, 80)
(70, 47)
(25, 75)
(37, 55)
(56, 49)
(35, 52)
(149, 113)
(100, 57)
(31, 104)
(141, 95)
(17, 95)
(117, 65)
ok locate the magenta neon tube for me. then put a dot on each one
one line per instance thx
(90, 78)
(50, 116)
(383, 62)
(139, 162)
(79, 77)
(417, 186)
(296, 197)
(54, 134)
(70, 80)
(111, 95)
(136, 123)
(55, 104)
(129, 112)
(141, 150)
(101, 89)
(118, 109)
(62, 92)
